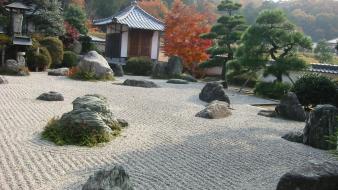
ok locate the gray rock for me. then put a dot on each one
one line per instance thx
(177, 81)
(123, 123)
(290, 108)
(188, 77)
(13, 65)
(3, 80)
(215, 110)
(110, 179)
(175, 66)
(267, 113)
(311, 176)
(140, 83)
(51, 96)
(160, 70)
(118, 70)
(95, 63)
(213, 91)
(58, 72)
(93, 112)
(296, 137)
(321, 123)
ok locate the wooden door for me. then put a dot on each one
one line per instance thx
(113, 45)
(139, 43)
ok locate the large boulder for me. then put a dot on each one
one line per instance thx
(311, 176)
(321, 123)
(109, 179)
(51, 96)
(95, 63)
(160, 70)
(290, 108)
(117, 69)
(140, 83)
(215, 110)
(58, 72)
(213, 91)
(175, 66)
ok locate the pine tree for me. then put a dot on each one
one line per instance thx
(226, 35)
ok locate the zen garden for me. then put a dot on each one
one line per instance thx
(169, 94)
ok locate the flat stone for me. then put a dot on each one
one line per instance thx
(177, 81)
(109, 179)
(140, 83)
(51, 96)
(311, 176)
(267, 113)
(188, 78)
(58, 72)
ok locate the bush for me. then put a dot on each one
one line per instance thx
(76, 74)
(274, 90)
(314, 89)
(87, 45)
(240, 79)
(38, 58)
(139, 66)
(70, 59)
(69, 135)
(55, 48)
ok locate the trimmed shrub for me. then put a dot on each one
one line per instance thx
(71, 135)
(87, 44)
(314, 89)
(77, 74)
(38, 59)
(139, 66)
(70, 59)
(55, 48)
(274, 90)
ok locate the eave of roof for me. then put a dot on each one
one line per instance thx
(133, 17)
(17, 5)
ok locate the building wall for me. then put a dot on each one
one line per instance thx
(124, 44)
(154, 45)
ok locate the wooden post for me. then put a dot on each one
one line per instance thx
(3, 55)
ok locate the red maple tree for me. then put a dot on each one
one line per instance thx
(184, 25)
(156, 8)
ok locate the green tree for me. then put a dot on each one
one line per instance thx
(323, 52)
(273, 38)
(76, 17)
(225, 34)
(48, 17)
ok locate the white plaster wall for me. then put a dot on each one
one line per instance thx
(124, 44)
(154, 45)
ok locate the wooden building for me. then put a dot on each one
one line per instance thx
(131, 32)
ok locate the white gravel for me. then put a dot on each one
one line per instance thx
(165, 147)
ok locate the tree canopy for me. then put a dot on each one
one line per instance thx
(273, 37)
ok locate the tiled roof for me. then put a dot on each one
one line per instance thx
(324, 68)
(17, 5)
(134, 17)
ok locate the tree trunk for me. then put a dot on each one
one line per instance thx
(224, 75)
(279, 78)
(3, 56)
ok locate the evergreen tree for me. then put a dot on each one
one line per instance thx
(323, 52)
(226, 34)
(273, 38)
(76, 17)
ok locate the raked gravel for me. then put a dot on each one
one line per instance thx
(165, 146)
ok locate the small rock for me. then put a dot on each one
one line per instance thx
(321, 123)
(177, 81)
(51, 96)
(267, 113)
(215, 110)
(188, 77)
(290, 108)
(58, 72)
(118, 70)
(140, 83)
(13, 65)
(123, 123)
(110, 179)
(311, 176)
(213, 91)
(3, 80)
(296, 137)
